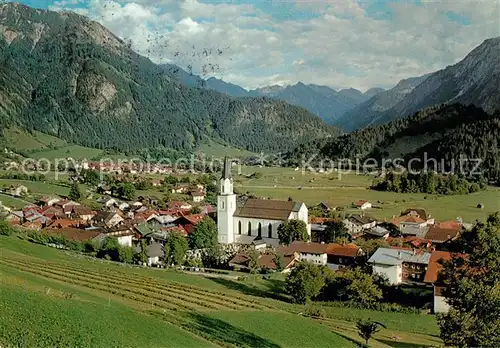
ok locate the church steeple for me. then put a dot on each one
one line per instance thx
(226, 169)
(226, 205)
(226, 181)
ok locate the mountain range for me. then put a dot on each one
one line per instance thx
(473, 80)
(323, 101)
(68, 76)
(446, 133)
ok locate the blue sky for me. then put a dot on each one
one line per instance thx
(341, 44)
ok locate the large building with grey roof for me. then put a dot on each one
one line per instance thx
(254, 218)
(400, 266)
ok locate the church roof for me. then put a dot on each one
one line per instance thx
(268, 209)
(226, 170)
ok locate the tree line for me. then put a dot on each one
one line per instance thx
(427, 182)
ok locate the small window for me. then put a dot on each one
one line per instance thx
(270, 231)
(249, 228)
(239, 227)
(259, 230)
(222, 204)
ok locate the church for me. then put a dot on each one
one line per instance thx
(256, 219)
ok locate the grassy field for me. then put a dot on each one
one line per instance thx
(281, 183)
(37, 187)
(39, 145)
(57, 298)
(12, 202)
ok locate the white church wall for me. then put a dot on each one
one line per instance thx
(254, 224)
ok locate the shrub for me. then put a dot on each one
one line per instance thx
(315, 312)
(5, 229)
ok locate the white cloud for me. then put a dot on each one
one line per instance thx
(342, 45)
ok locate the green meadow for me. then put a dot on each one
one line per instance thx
(59, 298)
(343, 190)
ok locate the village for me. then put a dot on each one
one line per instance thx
(405, 251)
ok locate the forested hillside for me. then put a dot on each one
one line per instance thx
(67, 76)
(443, 132)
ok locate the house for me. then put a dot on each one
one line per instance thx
(136, 204)
(107, 201)
(148, 200)
(317, 230)
(324, 207)
(339, 256)
(400, 266)
(124, 234)
(19, 190)
(48, 201)
(123, 206)
(357, 223)
(156, 182)
(180, 189)
(363, 205)
(82, 212)
(377, 232)
(259, 244)
(265, 261)
(155, 252)
(65, 203)
(188, 222)
(14, 217)
(197, 196)
(411, 225)
(421, 213)
(312, 252)
(107, 218)
(438, 235)
(431, 277)
(178, 205)
(52, 212)
(255, 218)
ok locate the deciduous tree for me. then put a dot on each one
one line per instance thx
(292, 230)
(74, 193)
(473, 290)
(305, 281)
(204, 234)
(367, 328)
(175, 249)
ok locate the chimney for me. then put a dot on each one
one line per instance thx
(399, 254)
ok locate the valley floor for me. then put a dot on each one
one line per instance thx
(343, 190)
(59, 298)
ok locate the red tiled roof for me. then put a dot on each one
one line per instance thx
(178, 229)
(435, 266)
(349, 250)
(65, 223)
(438, 234)
(361, 202)
(74, 234)
(320, 220)
(450, 224)
(195, 218)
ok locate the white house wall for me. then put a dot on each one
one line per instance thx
(318, 259)
(440, 305)
(392, 273)
(125, 240)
